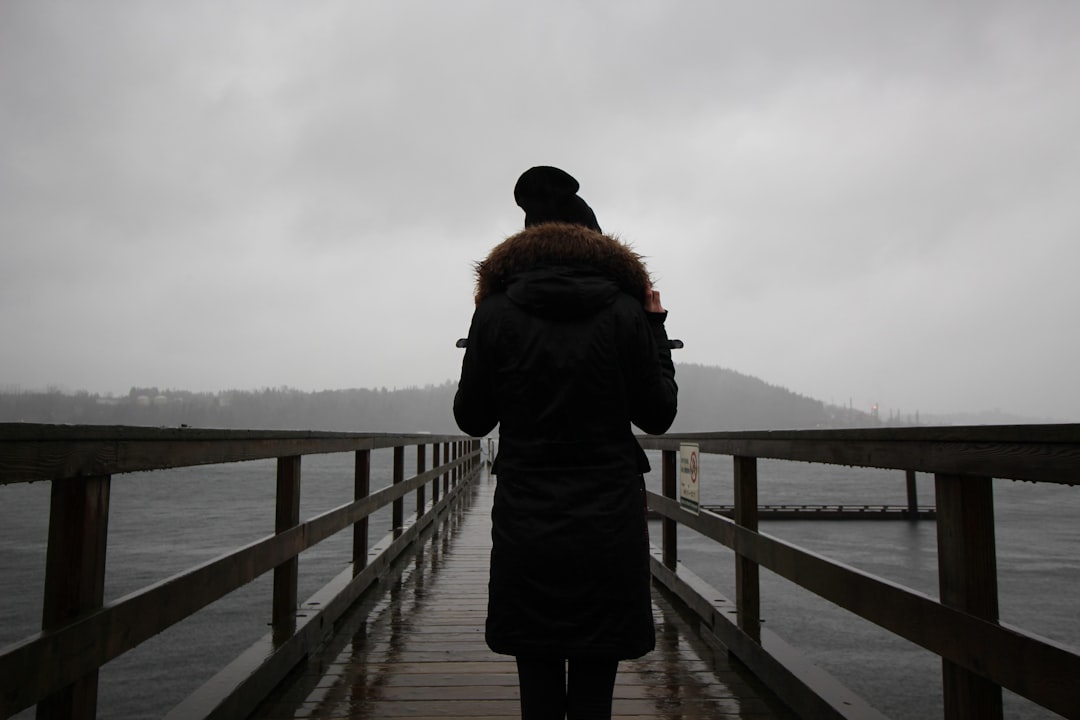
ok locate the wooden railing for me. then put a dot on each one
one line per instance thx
(979, 655)
(58, 668)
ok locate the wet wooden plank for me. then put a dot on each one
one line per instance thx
(419, 652)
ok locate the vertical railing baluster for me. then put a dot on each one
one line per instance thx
(435, 462)
(912, 495)
(967, 578)
(421, 492)
(75, 578)
(446, 475)
(398, 519)
(669, 537)
(287, 516)
(361, 489)
(747, 574)
(454, 473)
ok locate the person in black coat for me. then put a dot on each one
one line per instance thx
(566, 351)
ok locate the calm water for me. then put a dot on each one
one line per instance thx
(164, 522)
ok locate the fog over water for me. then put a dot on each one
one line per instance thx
(863, 203)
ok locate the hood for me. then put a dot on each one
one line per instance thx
(567, 254)
(561, 292)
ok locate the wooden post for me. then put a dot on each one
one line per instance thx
(912, 496)
(398, 511)
(747, 575)
(421, 492)
(456, 472)
(446, 475)
(435, 462)
(287, 516)
(361, 489)
(75, 578)
(669, 528)
(967, 577)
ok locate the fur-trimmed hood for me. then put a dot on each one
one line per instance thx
(565, 245)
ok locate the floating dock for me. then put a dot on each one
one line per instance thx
(831, 512)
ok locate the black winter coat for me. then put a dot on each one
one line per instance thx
(563, 357)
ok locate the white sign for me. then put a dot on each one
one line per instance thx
(689, 466)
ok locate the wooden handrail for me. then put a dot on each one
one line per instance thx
(57, 668)
(1037, 453)
(31, 452)
(979, 654)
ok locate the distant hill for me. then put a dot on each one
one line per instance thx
(715, 398)
(710, 399)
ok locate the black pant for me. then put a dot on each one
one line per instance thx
(576, 689)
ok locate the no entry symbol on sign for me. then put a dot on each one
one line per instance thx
(689, 496)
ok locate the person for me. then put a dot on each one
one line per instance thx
(566, 350)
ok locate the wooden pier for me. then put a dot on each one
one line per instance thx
(398, 633)
(418, 651)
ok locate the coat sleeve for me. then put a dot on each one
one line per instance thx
(654, 399)
(474, 403)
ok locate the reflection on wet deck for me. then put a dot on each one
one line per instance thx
(418, 652)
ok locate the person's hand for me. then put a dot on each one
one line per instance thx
(652, 301)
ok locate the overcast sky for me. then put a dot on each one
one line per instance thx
(861, 202)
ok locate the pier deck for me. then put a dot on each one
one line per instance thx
(418, 651)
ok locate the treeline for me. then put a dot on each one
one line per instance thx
(426, 409)
(710, 399)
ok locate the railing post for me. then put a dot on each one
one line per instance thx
(361, 489)
(421, 466)
(747, 575)
(912, 496)
(668, 527)
(446, 475)
(287, 515)
(75, 578)
(435, 462)
(455, 473)
(398, 510)
(967, 578)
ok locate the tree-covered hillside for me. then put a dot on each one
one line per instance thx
(715, 398)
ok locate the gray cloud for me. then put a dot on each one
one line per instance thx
(854, 201)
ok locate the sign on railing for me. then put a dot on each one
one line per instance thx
(689, 487)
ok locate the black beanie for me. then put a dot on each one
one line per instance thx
(548, 194)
